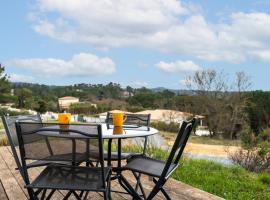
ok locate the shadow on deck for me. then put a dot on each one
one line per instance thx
(11, 184)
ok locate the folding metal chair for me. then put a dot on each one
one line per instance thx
(72, 178)
(132, 121)
(9, 125)
(159, 170)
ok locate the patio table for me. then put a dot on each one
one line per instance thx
(108, 132)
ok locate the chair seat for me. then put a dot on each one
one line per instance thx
(61, 177)
(60, 159)
(39, 163)
(148, 166)
(114, 155)
(79, 157)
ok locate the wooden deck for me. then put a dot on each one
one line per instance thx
(12, 186)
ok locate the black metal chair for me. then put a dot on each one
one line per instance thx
(132, 121)
(159, 170)
(9, 125)
(55, 177)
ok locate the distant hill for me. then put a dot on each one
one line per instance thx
(84, 85)
(180, 92)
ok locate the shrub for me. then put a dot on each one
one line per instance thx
(255, 152)
(169, 127)
(83, 108)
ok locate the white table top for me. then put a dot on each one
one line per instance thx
(107, 133)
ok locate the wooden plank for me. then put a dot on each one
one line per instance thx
(10, 162)
(3, 195)
(12, 188)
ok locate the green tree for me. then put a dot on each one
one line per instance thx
(258, 110)
(42, 106)
(23, 95)
(5, 94)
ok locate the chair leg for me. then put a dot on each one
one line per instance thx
(81, 194)
(165, 194)
(50, 195)
(139, 184)
(86, 195)
(105, 195)
(125, 184)
(32, 194)
(67, 195)
(43, 194)
(153, 193)
(162, 190)
(37, 192)
(76, 195)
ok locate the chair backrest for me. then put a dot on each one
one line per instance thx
(178, 146)
(61, 145)
(132, 119)
(9, 125)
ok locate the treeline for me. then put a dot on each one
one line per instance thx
(228, 106)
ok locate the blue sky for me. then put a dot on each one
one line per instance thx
(139, 43)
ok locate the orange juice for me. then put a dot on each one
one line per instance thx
(118, 130)
(64, 118)
(118, 119)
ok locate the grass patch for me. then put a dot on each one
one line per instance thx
(228, 182)
(3, 140)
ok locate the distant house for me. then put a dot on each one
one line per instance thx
(126, 94)
(167, 115)
(65, 102)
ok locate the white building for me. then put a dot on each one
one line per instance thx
(65, 102)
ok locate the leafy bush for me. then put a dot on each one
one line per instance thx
(83, 108)
(255, 152)
(162, 126)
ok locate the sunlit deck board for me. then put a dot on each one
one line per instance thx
(3, 195)
(14, 187)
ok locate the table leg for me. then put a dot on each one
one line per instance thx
(119, 146)
(73, 152)
(109, 152)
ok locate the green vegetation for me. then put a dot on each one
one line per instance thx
(3, 140)
(5, 95)
(171, 127)
(229, 182)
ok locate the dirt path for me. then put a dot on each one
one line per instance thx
(210, 150)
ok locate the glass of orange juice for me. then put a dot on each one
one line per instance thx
(118, 118)
(64, 118)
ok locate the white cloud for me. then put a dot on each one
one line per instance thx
(81, 65)
(21, 78)
(139, 83)
(178, 66)
(261, 55)
(163, 25)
